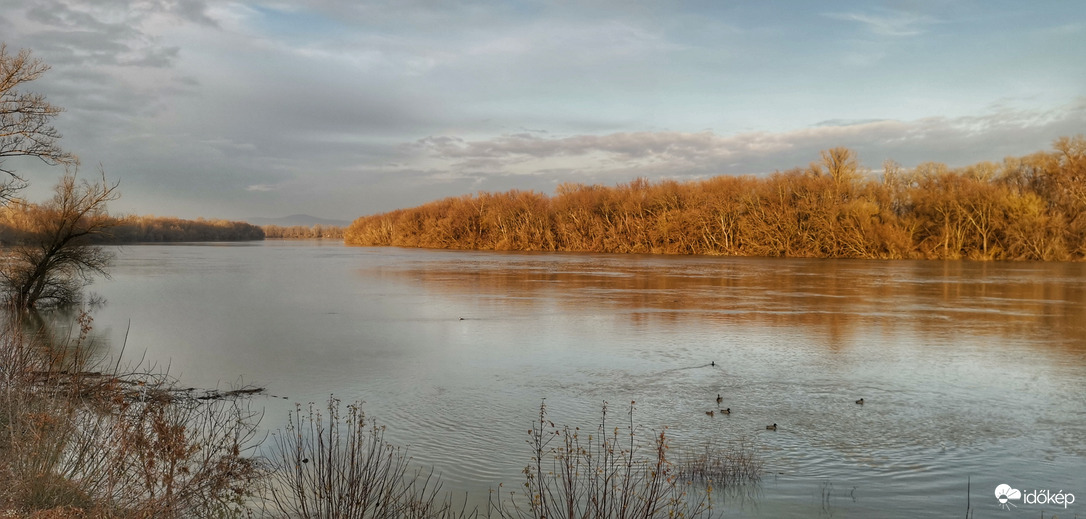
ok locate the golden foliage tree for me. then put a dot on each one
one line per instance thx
(1033, 207)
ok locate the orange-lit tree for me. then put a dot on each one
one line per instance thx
(55, 256)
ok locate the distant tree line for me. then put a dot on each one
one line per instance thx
(1026, 208)
(302, 232)
(19, 222)
(134, 229)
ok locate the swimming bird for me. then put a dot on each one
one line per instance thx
(860, 401)
(719, 398)
(713, 363)
(771, 427)
(726, 411)
(710, 413)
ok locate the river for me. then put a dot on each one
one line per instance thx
(971, 373)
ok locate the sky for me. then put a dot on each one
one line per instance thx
(344, 108)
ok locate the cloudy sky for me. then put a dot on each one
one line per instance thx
(340, 108)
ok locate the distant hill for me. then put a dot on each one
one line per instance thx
(296, 219)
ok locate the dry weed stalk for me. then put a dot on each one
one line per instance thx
(115, 443)
(80, 443)
(603, 475)
(340, 466)
(737, 465)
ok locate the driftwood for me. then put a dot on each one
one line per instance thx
(217, 395)
(133, 387)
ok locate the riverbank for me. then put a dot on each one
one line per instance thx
(79, 442)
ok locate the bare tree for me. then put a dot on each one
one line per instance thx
(25, 129)
(56, 257)
(841, 164)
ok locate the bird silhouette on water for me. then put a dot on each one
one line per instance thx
(771, 427)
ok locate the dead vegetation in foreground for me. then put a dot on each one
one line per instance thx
(79, 443)
(76, 442)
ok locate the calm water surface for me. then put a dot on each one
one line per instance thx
(969, 371)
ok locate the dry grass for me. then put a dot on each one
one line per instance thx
(329, 464)
(608, 473)
(737, 465)
(79, 443)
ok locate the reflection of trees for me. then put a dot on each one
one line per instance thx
(837, 298)
(66, 335)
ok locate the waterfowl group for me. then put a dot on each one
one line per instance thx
(728, 410)
(719, 399)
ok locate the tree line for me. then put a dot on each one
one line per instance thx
(1024, 208)
(22, 222)
(302, 232)
(148, 229)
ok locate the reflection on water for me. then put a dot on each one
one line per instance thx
(834, 297)
(68, 335)
(969, 371)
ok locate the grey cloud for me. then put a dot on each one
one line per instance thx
(158, 57)
(628, 145)
(96, 34)
(190, 10)
(958, 141)
(227, 145)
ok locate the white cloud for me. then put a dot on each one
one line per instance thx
(975, 138)
(261, 188)
(889, 22)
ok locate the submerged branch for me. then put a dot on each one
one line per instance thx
(139, 387)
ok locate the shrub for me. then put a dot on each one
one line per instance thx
(601, 475)
(339, 465)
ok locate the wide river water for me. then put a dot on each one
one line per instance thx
(972, 373)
